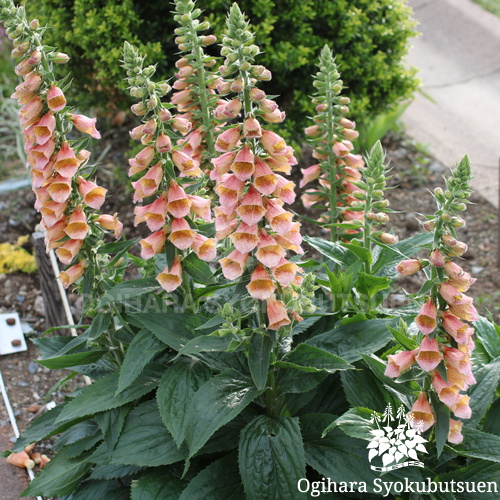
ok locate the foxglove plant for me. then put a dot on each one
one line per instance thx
(248, 179)
(331, 136)
(171, 215)
(444, 319)
(66, 197)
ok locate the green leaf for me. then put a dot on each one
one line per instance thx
(404, 249)
(206, 343)
(116, 247)
(363, 389)
(145, 441)
(175, 392)
(489, 334)
(308, 358)
(216, 403)
(292, 380)
(99, 325)
(97, 397)
(140, 352)
(111, 423)
(43, 427)
(351, 341)
(96, 489)
(478, 444)
(355, 423)
(76, 449)
(173, 329)
(157, 485)
(60, 476)
(77, 359)
(271, 458)
(408, 343)
(369, 285)
(105, 472)
(363, 253)
(259, 354)
(492, 421)
(127, 290)
(488, 472)
(484, 391)
(220, 480)
(442, 427)
(198, 269)
(336, 252)
(207, 290)
(77, 432)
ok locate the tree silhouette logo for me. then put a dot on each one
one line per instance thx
(396, 440)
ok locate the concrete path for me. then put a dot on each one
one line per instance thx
(458, 55)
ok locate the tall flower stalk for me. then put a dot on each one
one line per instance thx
(252, 192)
(66, 197)
(164, 171)
(331, 136)
(445, 317)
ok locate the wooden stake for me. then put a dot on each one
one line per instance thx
(54, 308)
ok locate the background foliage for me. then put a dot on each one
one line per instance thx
(369, 37)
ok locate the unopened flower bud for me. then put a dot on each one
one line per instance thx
(321, 107)
(446, 217)
(448, 239)
(382, 218)
(457, 222)
(436, 258)
(208, 40)
(409, 267)
(34, 24)
(60, 58)
(344, 100)
(439, 194)
(164, 115)
(388, 239)
(429, 225)
(459, 249)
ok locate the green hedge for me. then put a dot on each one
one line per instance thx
(370, 38)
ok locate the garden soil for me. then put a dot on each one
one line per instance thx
(413, 176)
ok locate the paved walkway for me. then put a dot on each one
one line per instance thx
(459, 58)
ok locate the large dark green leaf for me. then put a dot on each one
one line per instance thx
(478, 444)
(175, 392)
(76, 359)
(111, 423)
(99, 325)
(60, 476)
(368, 285)
(140, 352)
(198, 269)
(206, 343)
(355, 423)
(43, 427)
(173, 329)
(216, 403)
(336, 252)
(491, 423)
(271, 458)
(363, 389)
(442, 426)
(484, 391)
(489, 334)
(351, 341)
(290, 380)
(98, 490)
(259, 354)
(127, 290)
(157, 485)
(309, 358)
(104, 472)
(220, 480)
(145, 441)
(98, 396)
(479, 471)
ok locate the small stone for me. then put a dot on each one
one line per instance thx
(17, 413)
(33, 408)
(36, 379)
(39, 306)
(436, 167)
(3, 276)
(20, 298)
(477, 269)
(22, 384)
(16, 343)
(411, 222)
(32, 367)
(11, 321)
(13, 439)
(36, 396)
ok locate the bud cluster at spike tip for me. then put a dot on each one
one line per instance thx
(194, 94)
(163, 136)
(248, 173)
(66, 199)
(445, 316)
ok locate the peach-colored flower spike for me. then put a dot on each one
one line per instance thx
(444, 319)
(65, 200)
(248, 173)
